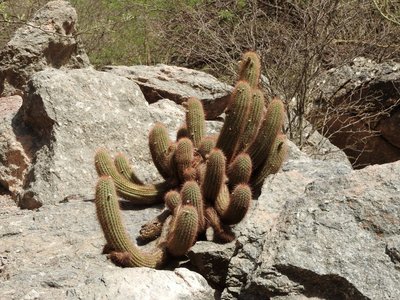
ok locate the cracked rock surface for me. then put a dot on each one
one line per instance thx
(319, 230)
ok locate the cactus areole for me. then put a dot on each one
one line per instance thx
(208, 180)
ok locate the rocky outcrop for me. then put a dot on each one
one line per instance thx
(73, 113)
(47, 40)
(55, 253)
(68, 115)
(319, 230)
(177, 84)
(359, 110)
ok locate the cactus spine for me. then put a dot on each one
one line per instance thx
(172, 200)
(238, 205)
(183, 156)
(191, 194)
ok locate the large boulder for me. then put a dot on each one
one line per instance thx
(319, 230)
(178, 84)
(71, 114)
(47, 40)
(68, 115)
(358, 109)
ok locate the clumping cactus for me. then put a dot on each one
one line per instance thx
(208, 180)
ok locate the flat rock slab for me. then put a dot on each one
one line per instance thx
(54, 252)
(178, 84)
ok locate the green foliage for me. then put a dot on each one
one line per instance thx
(203, 191)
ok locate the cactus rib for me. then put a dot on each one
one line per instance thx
(195, 120)
(184, 230)
(235, 121)
(138, 194)
(273, 121)
(273, 162)
(214, 176)
(108, 214)
(123, 167)
(159, 143)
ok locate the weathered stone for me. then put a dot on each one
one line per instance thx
(47, 40)
(212, 261)
(54, 252)
(14, 148)
(319, 230)
(358, 110)
(177, 84)
(71, 114)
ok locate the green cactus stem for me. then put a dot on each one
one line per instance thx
(221, 232)
(236, 120)
(191, 194)
(137, 194)
(183, 232)
(214, 176)
(272, 124)
(250, 68)
(254, 121)
(273, 163)
(206, 145)
(159, 143)
(238, 205)
(123, 167)
(195, 121)
(222, 202)
(172, 200)
(239, 171)
(183, 156)
(182, 132)
(124, 252)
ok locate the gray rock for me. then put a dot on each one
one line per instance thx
(47, 40)
(68, 115)
(177, 84)
(319, 230)
(145, 283)
(71, 114)
(54, 252)
(357, 109)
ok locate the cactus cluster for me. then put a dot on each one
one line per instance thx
(208, 179)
